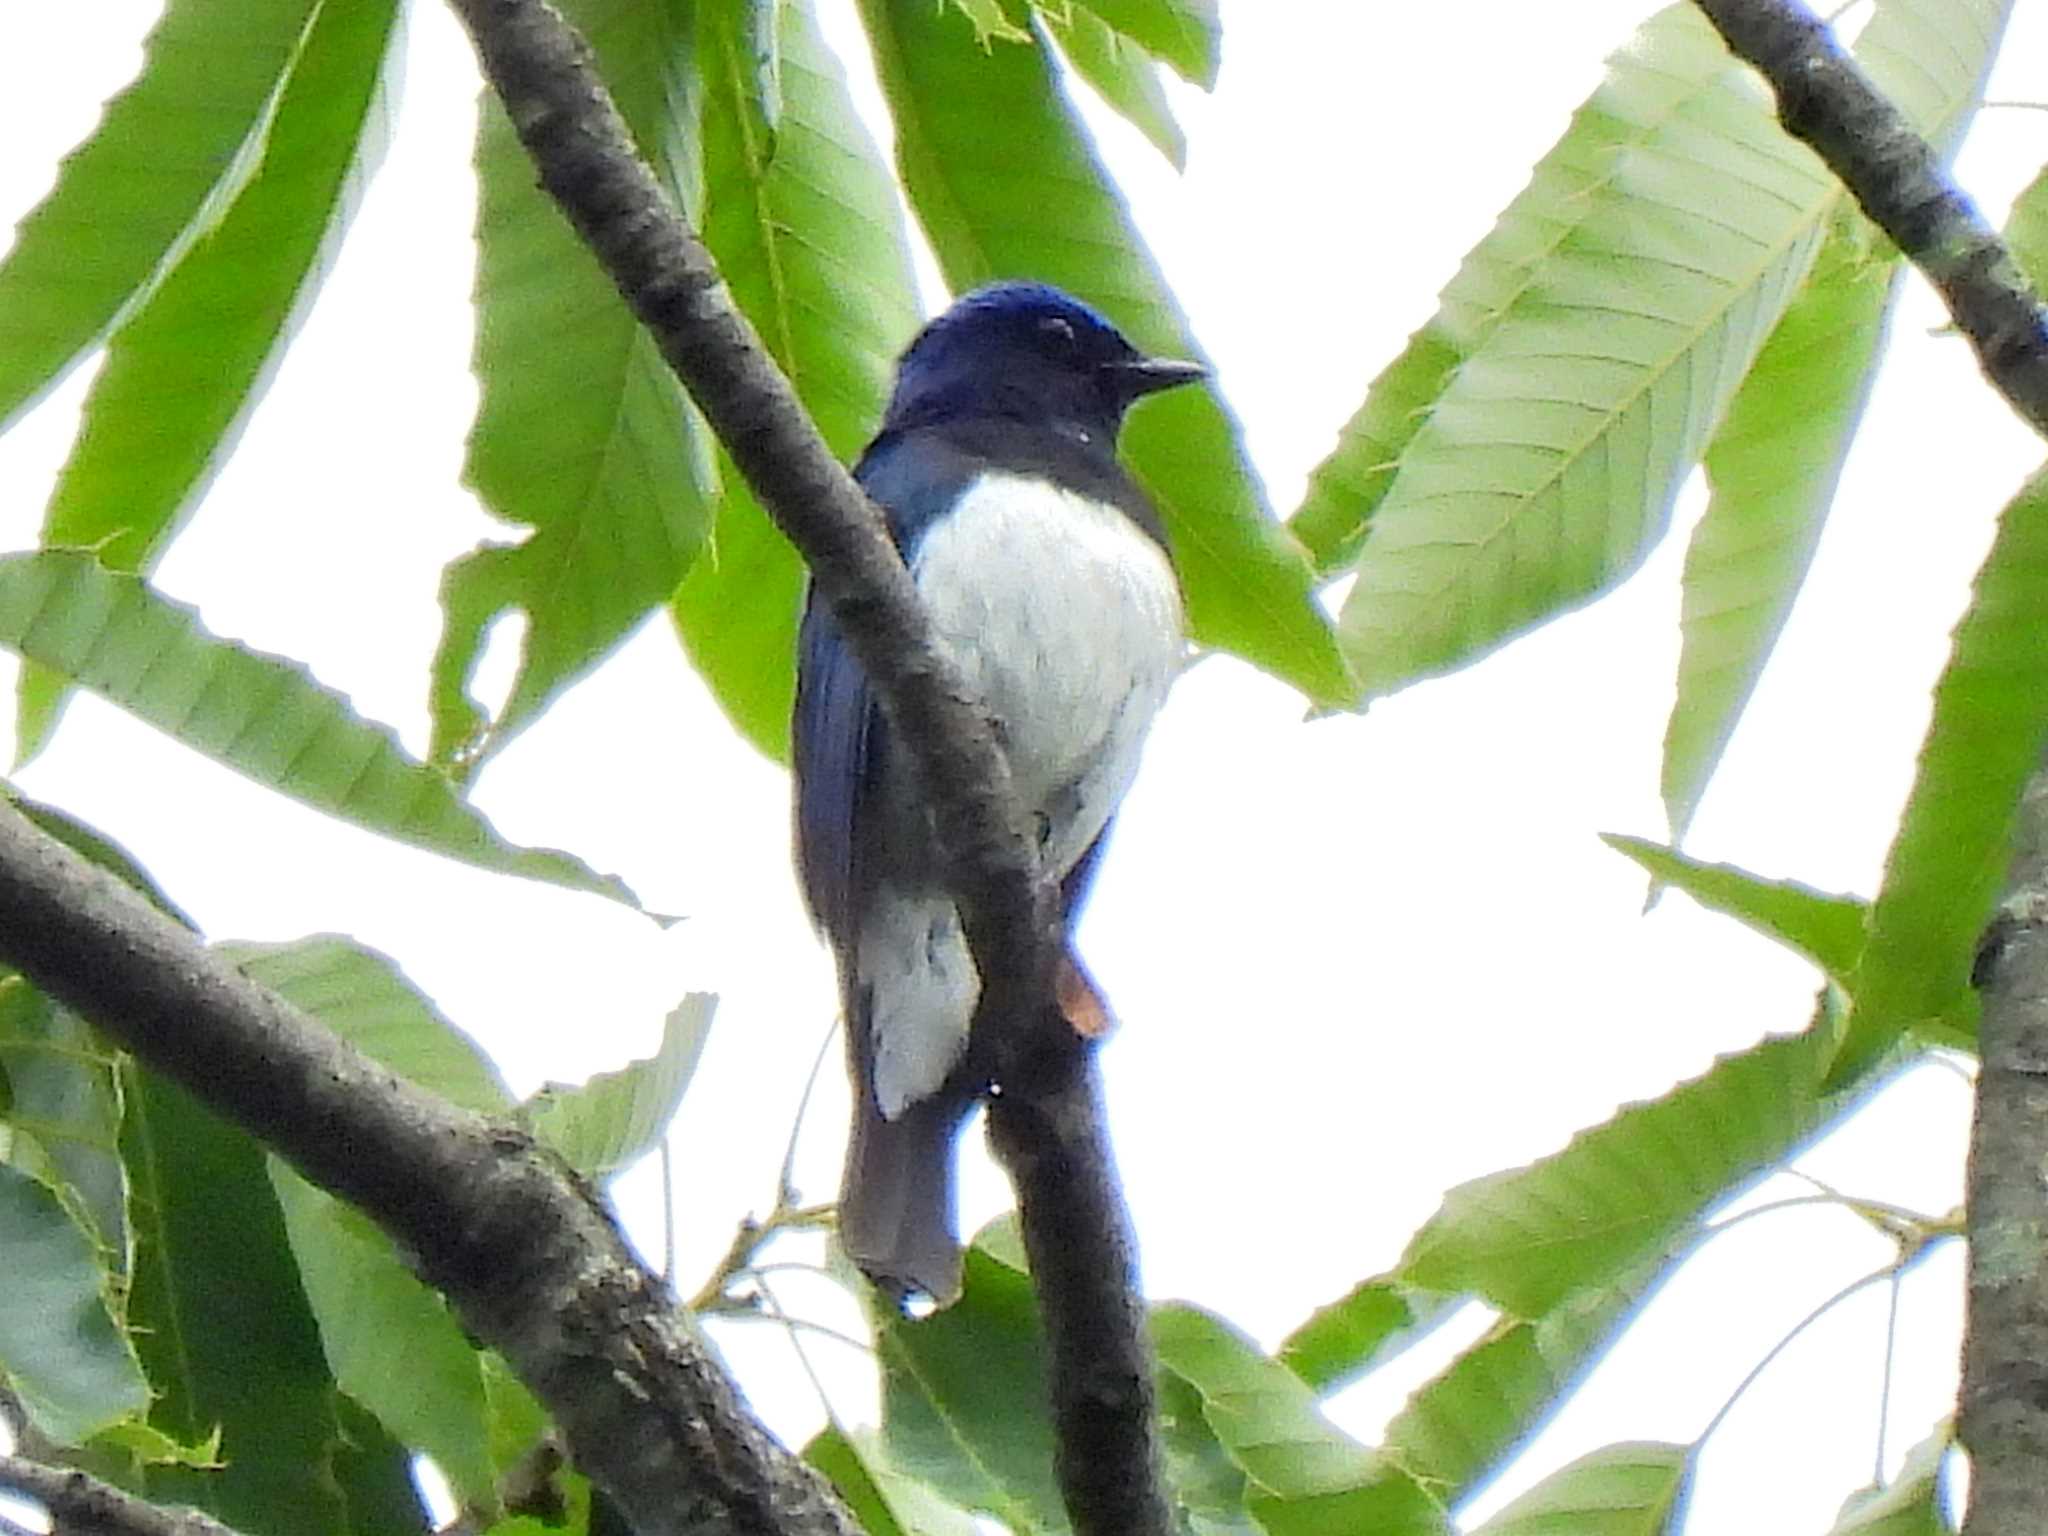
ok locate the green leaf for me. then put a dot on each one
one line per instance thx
(1911, 1505)
(363, 996)
(884, 1501)
(1617, 1194)
(1948, 859)
(1123, 75)
(62, 1088)
(2026, 229)
(1773, 472)
(227, 1339)
(1309, 1475)
(62, 1353)
(961, 1399)
(1208, 1486)
(1658, 245)
(989, 23)
(808, 232)
(258, 714)
(167, 150)
(1187, 34)
(182, 373)
(583, 437)
(391, 1343)
(1006, 183)
(1828, 930)
(608, 1124)
(1362, 1330)
(1633, 1489)
(1463, 1425)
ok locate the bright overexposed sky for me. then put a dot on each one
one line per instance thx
(1357, 960)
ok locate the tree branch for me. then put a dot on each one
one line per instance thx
(529, 1259)
(1047, 1125)
(1827, 102)
(82, 1505)
(2003, 1420)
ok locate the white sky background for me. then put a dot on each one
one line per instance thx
(1357, 961)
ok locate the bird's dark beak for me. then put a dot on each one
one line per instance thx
(1148, 375)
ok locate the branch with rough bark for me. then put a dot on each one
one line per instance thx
(1829, 104)
(527, 1256)
(81, 1505)
(1048, 1115)
(2003, 1418)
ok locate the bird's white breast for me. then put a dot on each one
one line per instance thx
(1067, 619)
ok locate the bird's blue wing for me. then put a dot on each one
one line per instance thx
(829, 734)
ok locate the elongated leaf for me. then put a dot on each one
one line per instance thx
(1828, 930)
(61, 1350)
(604, 1126)
(1309, 1475)
(391, 1343)
(1467, 1422)
(1123, 74)
(227, 1339)
(363, 997)
(166, 150)
(1362, 1330)
(1773, 468)
(1209, 1487)
(1527, 1238)
(1911, 1504)
(62, 1087)
(1005, 182)
(808, 231)
(1635, 1489)
(1188, 34)
(182, 374)
(1948, 860)
(961, 1396)
(582, 435)
(260, 715)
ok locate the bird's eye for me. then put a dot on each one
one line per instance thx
(1057, 331)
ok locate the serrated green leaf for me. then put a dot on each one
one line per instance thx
(63, 1088)
(1948, 859)
(1772, 469)
(962, 1399)
(1187, 34)
(1633, 1489)
(392, 1344)
(1124, 75)
(1522, 456)
(1526, 1238)
(1468, 1421)
(259, 714)
(1361, 1330)
(228, 1341)
(183, 372)
(811, 241)
(166, 149)
(583, 437)
(1309, 1476)
(604, 1126)
(1006, 183)
(62, 1353)
(1828, 930)
(366, 999)
(1911, 1504)
(146, 1446)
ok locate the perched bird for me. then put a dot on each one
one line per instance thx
(1045, 572)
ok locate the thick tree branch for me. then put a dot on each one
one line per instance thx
(1827, 102)
(2003, 1420)
(1049, 1115)
(530, 1260)
(81, 1505)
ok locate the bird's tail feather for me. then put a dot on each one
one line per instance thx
(896, 1203)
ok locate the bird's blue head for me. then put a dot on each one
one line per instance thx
(1028, 352)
